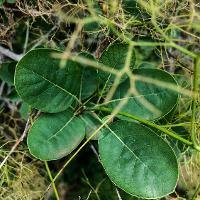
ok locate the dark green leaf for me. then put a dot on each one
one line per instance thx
(24, 110)
(89, 79)
(91, 27)
(161, 98)
(137, 160)
(53, 136)
(134, 8)
(43, 84)
(148, 54)
(115, 57)
(7, 71)
(91, 124)
(13, 96)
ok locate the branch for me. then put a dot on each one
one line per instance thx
(51, 179)
(148, 123)
(194, 104)
(17, 143)
(10, 54)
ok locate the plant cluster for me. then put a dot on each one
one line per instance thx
(131, 94)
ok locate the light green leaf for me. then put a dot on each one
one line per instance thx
(53, 136)
(115, 57)
(138, 161)
(41, 83)
(160, 98)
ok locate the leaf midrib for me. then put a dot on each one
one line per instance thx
(64, 126)
(134, 97)
(54, 84)
(131, 150)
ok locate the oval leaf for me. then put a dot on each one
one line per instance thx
(115, 57)
(137, 160)
(43, 84)
(160, 98)
(53, 136)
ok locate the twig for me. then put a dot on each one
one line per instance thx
(10, 54)
(16, 143)
(95, 152)
(194, 104)
(1, 88)
(118, 194)
(51, 179)
(26, 38)
(1, 58)
(88, 195)
(196, 193)
(148, 123)
(43, 38)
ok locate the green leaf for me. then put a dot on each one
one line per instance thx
(148, 53)
(7, 71)
(1, 2)
(161, 98)
(24, 111)
(13, 96)
(145, 65)
(11, 1)
(53, 136)
(133, 7)
(41, 83)
(89, 79)
(115, 57)
(91, 124)
(137, 160)
(92, 27)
